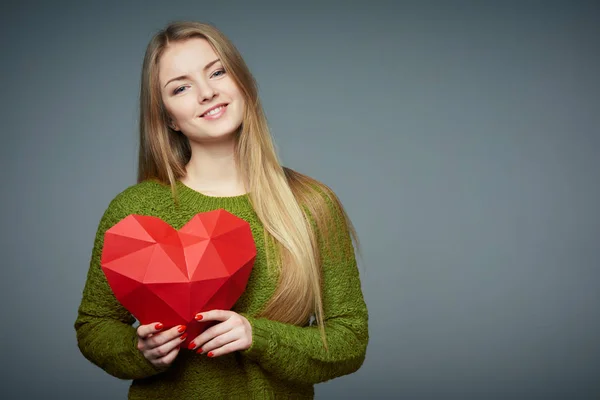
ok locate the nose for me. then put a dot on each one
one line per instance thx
(206, 93)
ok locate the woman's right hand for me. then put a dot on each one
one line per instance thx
(160, 347)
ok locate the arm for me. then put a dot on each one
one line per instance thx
(105, 334)
(296, 353)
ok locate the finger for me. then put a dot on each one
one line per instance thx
(214, 315)
(210, 333)
(143, 331)
(218, 341)
(160, 338)
(165, 349)
(226, 349)
(168, 359)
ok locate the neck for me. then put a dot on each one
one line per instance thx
(212, 168)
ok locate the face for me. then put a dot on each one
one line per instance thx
(203, 101)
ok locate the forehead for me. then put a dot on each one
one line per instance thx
(184, 57)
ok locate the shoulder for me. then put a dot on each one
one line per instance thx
(143, 192)
(138, 198)
(327, 215)
(309, 190)
(320, 203)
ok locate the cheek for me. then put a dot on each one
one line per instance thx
(239, 99)
(230, 88)
(239, 96)
(181, 110)
(242, 107)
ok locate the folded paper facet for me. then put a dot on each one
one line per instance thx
(160, 274)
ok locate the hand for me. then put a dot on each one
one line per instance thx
(233, 333)
(160, 347)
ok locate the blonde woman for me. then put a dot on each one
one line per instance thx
(205, 145)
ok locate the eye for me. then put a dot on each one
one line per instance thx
(219, 72)
(177, 91)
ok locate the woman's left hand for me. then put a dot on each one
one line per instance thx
(233, 333)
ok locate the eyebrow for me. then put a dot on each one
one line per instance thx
(182, 77)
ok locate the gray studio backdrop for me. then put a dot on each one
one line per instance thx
(462, 136)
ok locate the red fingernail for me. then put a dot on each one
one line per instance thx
(182, 337)
(181, 328)
(199, 350)
(191, 345)
(198, 317)
(210, 354)
(158, 326)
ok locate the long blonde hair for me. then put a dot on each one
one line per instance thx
(277, 194)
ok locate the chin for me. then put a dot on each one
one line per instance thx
(213, 136)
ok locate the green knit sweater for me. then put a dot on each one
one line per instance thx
(284, 360)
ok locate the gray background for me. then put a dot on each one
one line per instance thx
(462, 136)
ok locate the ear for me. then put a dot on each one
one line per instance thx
(173, 125)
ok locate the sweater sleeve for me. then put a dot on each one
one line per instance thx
(297, 353)
(104, 328)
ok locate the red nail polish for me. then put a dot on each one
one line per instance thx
(199, 351)
(181, 328)
(182, 337)
(198, 317)
(210, 354)
(158, 326)
(191, 345)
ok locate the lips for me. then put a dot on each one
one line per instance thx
(212, 108)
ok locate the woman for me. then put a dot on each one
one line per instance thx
(205, 145)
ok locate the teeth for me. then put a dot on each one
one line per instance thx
(214, 111)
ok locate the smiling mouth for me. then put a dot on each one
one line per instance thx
(214, 111)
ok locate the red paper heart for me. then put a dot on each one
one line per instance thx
(163, 275)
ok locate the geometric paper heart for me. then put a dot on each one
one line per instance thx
(162, 274)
